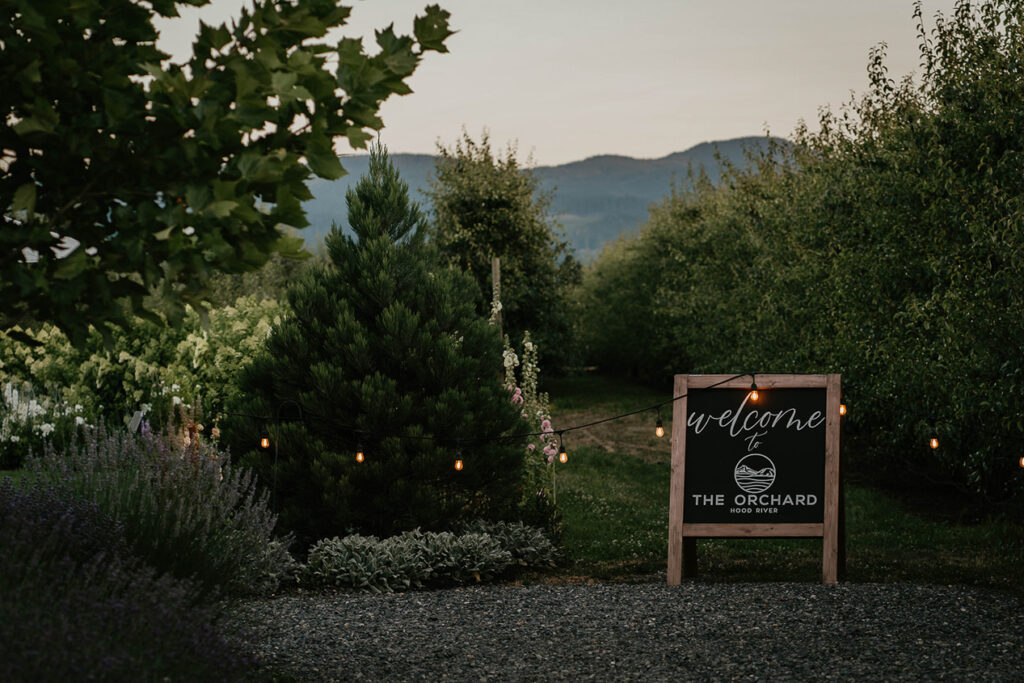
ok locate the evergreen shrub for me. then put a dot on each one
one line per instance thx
(383, 349)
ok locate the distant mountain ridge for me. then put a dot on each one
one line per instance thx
(595, 199)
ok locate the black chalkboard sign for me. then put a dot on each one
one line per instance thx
(747, 467)
(758, 461)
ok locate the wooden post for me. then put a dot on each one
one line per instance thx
(830, 528)
(675, 498)
(496, 288)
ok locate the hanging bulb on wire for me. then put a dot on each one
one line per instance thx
(563, 457)
(360, 454)
(659, 429)
(754, 396)
(934, 443)
(458, 465)
(264, 439)
(842, 409)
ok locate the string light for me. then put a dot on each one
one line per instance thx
(1021, 461)
(842, 409)
(458, 465)
(563, 455)
(934, 443)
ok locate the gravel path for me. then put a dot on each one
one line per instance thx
(648, 632)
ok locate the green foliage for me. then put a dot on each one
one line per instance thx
(150, 367)
(480, 552)
(883, 247)
(529, 546)
(123, 171)
(184, 509)
(486, 206)
(385, 350)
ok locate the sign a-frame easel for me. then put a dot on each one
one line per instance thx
(743, 468)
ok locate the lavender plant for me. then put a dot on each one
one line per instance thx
(75, 606)
(184, 508)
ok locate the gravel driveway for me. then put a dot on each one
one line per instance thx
(648, 632)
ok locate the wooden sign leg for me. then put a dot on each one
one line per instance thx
(675, 497)
(830, 528)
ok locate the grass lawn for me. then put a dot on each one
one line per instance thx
(614, 493)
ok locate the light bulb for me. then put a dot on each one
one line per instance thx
(265, 442)
(458, 465)
(842, 409)
(563, 457)
(934, 443)
(754, 396)
(659, 429)
(360, 456)
(1021, 462)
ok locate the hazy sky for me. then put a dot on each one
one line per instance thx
(568, 79)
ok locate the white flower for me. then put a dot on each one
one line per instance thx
(46, 428)
(146, 407)
(78, 407)
(175, 400)
(189, 230)
(15, 438)
(79, 420)
(175, 387)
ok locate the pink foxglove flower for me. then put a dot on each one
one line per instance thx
(531, 447)
(551, 458)
(517, 395)
(550, 449)
(545, 427)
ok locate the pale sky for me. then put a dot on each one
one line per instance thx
(570, 79)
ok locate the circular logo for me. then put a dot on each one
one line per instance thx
(754, 473)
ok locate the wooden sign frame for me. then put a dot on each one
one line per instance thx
(682, 536)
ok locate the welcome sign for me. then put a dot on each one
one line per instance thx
(748, 468)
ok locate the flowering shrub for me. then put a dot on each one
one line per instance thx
(184, 508)
(152, 368)
(539, 478)
(75, 606)
(28, 421)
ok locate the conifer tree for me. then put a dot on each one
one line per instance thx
(385, 351)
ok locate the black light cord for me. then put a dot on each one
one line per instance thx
(505, 437)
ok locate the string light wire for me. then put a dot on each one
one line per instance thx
(519, 436)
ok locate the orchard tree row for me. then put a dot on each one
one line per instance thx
(887, 246)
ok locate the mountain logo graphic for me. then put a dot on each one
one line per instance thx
(754, 473)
